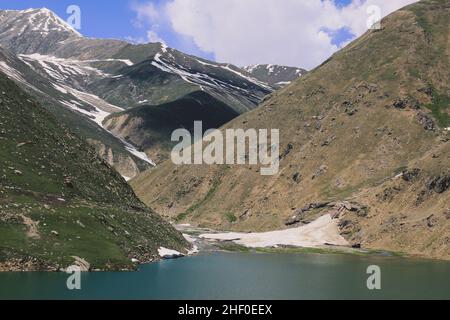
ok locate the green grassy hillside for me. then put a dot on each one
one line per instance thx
(58, 200)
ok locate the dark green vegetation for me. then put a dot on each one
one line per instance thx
(198, 205)
(59, 200)
(440, 108)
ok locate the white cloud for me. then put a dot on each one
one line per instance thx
(244, 32)
(145, 12)
(148, 15)
(153, 36)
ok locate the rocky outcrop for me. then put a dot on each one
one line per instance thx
(123, 163)
(320, 171)
(335, 209)
(439, 184)
(411, 175)
(403, 103)
(426, 121)
(26, 264)
(82, 264)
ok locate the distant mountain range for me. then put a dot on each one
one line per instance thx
(97, 78)
(275, 75)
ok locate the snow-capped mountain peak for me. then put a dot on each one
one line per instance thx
(47, 21)
(34, 31)
(39, 20)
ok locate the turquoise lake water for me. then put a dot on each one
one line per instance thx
(245, 276)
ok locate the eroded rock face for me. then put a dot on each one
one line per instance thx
(82, 264)
(403, 103)
(410, 175)
(124, 164)
(439, 184)
(335, 209)
(426, 121)
(322, 169)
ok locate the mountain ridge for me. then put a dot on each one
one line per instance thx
(96, 77)
(275, 75)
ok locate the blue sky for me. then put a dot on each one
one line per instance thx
(100, 18)
(106, 18)
(109, 19)
(290, 36)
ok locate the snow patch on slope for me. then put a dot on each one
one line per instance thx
(240, 74)
(283, 83)
(45, 21)
(11, 72)
(15, 75)
(259, 83)
(125, 61)
(200, 79)
(101, 110)
(252, 68)
(61, 69)
(320, 232)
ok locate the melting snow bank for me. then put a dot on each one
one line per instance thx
(132, 149)
(101, 109)
(169, 254)
(191, 240)
(323, 231)
(283, 83)
(173, 254)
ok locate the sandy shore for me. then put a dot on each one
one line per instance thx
(321, 232)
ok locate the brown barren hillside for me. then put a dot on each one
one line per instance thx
(363, 135)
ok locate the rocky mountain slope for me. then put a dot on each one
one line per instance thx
(168, 75)
(52, 212)
(98, 77)
(365, 137)
(90, 110)
(275, 75)
(151, 127)
(60, 52)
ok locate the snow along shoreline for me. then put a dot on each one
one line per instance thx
(323, 231)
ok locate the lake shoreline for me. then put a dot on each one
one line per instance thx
(215, 245)
(211, 245)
